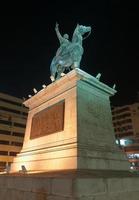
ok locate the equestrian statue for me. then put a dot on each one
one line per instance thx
(69, 54)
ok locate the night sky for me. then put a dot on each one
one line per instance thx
(28, 43)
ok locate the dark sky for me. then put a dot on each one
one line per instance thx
(28, 43)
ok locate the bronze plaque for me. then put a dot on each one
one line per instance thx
(47, 121)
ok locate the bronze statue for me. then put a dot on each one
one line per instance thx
(69, 54)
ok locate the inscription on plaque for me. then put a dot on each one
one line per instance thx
(48, 121)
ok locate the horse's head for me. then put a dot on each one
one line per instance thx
(83, 29)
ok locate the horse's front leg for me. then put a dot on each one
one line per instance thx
(75, 65)
(60, 72)
(53, 70)
(53, 73)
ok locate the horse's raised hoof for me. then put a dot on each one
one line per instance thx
(52, 78)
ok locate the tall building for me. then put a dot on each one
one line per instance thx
(13, 117)
(126, 126)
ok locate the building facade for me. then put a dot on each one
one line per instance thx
(13, 117)
(126, 127)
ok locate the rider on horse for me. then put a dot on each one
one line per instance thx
(64, 41)
(69, 54)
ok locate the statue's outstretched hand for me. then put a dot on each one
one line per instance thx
(57, 25)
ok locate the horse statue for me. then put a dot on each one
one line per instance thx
(69, 54)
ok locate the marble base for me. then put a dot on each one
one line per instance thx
(81, 185)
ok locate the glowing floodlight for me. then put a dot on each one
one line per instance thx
(98, 76)
(44, 86)
(123, 142)
(23, 169)
(34, 90)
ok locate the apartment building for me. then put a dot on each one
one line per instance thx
(126, 127)
(13, 117)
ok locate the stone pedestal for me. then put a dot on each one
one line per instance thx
(94, 185)
(69, 127)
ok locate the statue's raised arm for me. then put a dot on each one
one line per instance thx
(69, 54)
(58, 33)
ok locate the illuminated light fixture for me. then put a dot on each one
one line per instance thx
(123, 142)
(44, 86)
(34, 90)
(98, 76)
(117, 141)
(23, 169)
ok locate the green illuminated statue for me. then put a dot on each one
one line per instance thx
(69, 54)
